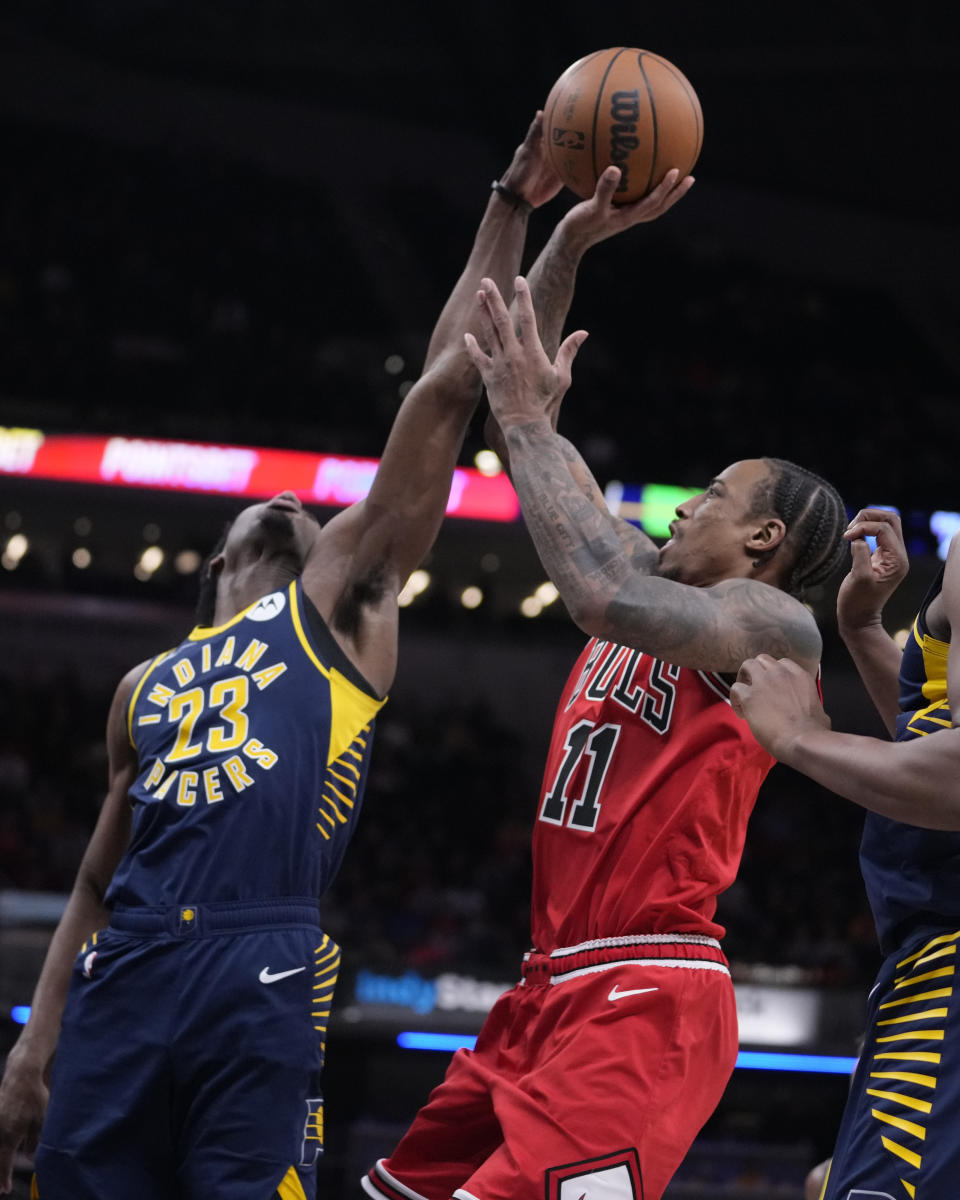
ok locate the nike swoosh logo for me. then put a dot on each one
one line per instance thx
(266, 977)
(616, 995)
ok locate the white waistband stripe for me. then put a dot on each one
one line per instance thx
(638, 939)
(691, 964)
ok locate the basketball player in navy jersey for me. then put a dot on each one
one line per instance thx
(199, 981)
(592, 1076)
(898, 1137)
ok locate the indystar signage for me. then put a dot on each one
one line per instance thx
(414, 993)
(768, 1016)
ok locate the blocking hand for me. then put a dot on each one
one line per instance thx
(522, 384)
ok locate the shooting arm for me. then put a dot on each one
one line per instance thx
(610, 592)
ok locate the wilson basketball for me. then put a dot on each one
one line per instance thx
(627, 107)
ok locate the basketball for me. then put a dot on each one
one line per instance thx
(625, 107)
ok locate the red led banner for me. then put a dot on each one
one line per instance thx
(324, 479)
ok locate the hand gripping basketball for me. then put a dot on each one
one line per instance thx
(522, 384)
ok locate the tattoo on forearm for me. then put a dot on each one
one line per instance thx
(598, 568)
(551, 280)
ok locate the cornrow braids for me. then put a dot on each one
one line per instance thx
(815, 517)
(207, 596)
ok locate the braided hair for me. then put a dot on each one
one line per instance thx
(814, 515)
(207, 597)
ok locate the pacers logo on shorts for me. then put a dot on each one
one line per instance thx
(312, 1146)
(612, 1177)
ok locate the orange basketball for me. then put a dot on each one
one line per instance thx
(627, 107)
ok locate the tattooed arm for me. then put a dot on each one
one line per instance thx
(551, 281)
(712, 628)
(612, 595)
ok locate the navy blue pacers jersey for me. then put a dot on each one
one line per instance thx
(253, 741)
(913, 875)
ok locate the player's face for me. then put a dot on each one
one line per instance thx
(280, 528)
(708, 538)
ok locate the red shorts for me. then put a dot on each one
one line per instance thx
(604, 1063)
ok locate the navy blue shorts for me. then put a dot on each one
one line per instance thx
(189, 1060)
(898, 1138)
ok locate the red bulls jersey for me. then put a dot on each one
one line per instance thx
(648, 787)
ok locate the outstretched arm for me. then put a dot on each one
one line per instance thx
(23, 1089)
(914, 781)
(365, 553)
(551, 280)
(712, 628)
(872, 579)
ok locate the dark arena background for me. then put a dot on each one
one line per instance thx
(230, 224)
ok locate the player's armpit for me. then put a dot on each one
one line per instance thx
(713, 628)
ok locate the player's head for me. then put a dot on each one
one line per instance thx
(271, 540)
(762, 517)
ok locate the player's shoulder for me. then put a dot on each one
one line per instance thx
(769, 614)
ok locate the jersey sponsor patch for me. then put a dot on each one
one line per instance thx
(613, 1177)
(268, 607)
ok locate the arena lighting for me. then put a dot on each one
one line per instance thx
(756, 1060)
(254, 471)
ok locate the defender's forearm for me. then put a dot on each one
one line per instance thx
(914, 782)
(877, 659)
(496, 253)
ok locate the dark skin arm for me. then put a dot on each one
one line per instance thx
(871, 581)
(712, 628)
(23, 1090)
(364, 555)
(913, 781)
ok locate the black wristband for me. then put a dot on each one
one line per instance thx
(512, 198)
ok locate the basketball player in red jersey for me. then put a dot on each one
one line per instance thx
(593, 1075)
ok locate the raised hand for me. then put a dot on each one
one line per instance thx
(522, 384)
(598, 218)
(873, 576)
(531, 175)
(779, 700)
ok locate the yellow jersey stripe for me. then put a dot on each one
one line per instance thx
(920, 1016)
(923, 1106)
(906, 1077)
(927, 1056)
(910, 1127)
(938, 994)
(939, 973)
(937, 941)
(902, 1152)
(919, 1035)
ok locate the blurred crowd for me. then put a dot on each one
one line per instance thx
(438, 875)
(167, 294)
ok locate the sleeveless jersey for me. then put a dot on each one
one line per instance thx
(650, 780)
(253, 741)
(912, 875)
